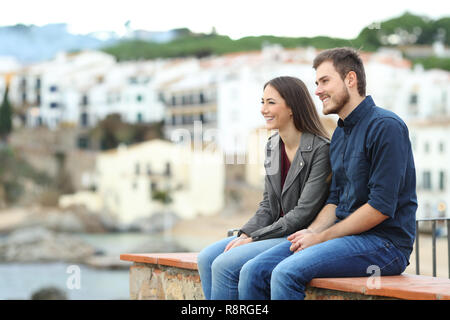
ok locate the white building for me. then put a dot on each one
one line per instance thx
(52, 91)
(431, 148)
(127, 178)
(127, 89)
(224, 94)
(83, 88)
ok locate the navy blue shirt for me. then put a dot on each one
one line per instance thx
(372, 162)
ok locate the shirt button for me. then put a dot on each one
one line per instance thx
(301, 164)
(309, 147)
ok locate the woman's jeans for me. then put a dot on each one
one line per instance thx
(270, 270)
(219, 271)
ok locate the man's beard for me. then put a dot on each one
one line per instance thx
(338, 101)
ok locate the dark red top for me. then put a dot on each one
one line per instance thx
(285, 165)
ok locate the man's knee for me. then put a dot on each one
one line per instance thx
(249, 272)
(254, 281)
(279, 276)
(282, 275)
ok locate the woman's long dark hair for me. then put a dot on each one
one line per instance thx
(298, 99)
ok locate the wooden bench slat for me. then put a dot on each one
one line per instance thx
(185, 260)
(404, 286)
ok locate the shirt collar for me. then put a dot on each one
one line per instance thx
(357, 113)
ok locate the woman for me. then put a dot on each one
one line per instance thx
(296, 187)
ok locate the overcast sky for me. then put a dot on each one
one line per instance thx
(236, 18)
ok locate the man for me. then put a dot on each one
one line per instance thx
(368, 221)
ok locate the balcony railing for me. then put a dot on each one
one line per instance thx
(433, 222)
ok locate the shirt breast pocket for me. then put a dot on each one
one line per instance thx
(358, 169)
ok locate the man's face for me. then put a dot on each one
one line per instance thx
(331, 88)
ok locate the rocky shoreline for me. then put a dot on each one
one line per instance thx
(30, 235)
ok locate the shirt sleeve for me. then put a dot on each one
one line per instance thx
(389, 150)
(333, 197)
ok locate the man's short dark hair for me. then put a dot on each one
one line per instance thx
(344, 60)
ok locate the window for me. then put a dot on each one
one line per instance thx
(84, 100)
(137, 169)
(53, 88)
(23, 83)
(426, 180)
(413, 104)
(427, 147)
(149, 169)
(133, 80)
(84, 119)
(139, 98)
(441, 147)
(168, 171)
(54, 105)
(442, 180)
(83, 142)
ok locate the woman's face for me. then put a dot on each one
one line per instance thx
(274, 109)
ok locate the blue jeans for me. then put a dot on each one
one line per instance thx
(280, 274)
(220, 271)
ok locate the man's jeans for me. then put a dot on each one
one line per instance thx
(281, 274)
(219, 271)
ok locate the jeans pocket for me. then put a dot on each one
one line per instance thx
(394, 263)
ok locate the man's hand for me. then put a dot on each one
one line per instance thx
(243, 239)
(303, 239)
(364, 218)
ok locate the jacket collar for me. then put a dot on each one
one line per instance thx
(273, 164)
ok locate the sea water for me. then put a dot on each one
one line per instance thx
(81, 282)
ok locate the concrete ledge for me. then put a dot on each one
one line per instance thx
(175, 276)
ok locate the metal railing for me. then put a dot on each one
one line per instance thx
(433, 242)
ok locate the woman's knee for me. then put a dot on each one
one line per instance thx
(222, 264)
(206, 256)
(204, 259)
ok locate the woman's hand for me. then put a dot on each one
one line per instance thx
(243, 239)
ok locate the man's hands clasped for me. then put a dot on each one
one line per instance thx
(303, 239)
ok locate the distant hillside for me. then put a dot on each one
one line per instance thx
(32, 43)
(29, 43)
(407, 29)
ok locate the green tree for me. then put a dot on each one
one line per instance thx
(112, 131)
(5, 117)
